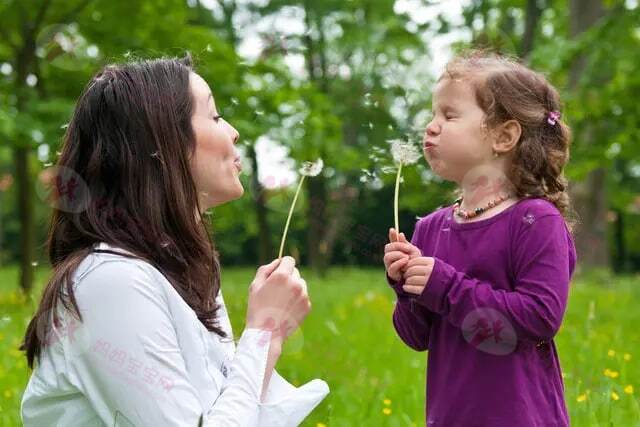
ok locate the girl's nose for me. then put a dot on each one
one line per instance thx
(432, 128)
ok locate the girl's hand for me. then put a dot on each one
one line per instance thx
(397, 254)
(278, 299)
(417, 274)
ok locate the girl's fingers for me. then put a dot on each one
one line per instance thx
(396, 266)
(421, 260)
(391, 257)
(416, 281)
(398, 246)
(417, 270)
(417, 290)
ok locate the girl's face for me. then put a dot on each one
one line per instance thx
(216, 163)
(455, 140)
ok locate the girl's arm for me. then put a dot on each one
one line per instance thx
(544, 259)
(411, 321)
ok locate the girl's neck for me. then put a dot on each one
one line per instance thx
(478, 191)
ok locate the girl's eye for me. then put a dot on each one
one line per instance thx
(217, 117)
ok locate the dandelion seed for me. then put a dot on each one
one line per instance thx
(34, 263)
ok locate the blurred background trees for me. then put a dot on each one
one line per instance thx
(331, 79)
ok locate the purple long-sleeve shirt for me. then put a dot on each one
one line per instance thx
(488, 315)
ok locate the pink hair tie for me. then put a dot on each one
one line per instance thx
(553, 117)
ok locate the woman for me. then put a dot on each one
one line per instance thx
(132, 327)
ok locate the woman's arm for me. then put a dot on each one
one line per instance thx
(131, 362)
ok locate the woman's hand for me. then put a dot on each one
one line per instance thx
(397, 254)
(417, 274)
(278, 299)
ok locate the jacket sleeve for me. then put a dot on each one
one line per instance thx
(543, 260)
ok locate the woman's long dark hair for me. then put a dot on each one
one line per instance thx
(130, 142)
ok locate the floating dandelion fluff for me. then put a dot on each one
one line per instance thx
(403, 153)
(308, 169)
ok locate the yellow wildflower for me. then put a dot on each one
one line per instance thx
(611, 353)
(386, 411)
(628, 389)
(387, 402)
(614, 396)
(582, 398)
(321, 425)
(627, 357)
(8, 393)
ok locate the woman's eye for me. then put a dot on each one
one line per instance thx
(217, 117)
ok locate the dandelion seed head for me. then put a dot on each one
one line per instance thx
(404, 152)
(311, 168)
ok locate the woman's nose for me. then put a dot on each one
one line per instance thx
(235, 135)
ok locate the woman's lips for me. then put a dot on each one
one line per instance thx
(429, 145)
(238, 164)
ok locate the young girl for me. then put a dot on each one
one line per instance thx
(483, 284)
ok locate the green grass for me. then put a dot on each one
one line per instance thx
(348, 340)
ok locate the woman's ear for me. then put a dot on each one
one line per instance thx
(508, 135)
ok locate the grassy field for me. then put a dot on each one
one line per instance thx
(375, 380)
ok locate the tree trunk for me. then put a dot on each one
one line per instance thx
(265, 244)
(532, 18)
(589, 196)
(25, 207)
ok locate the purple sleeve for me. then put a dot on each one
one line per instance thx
(410, 320)
(543, 263)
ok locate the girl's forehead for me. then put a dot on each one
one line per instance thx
(456, 90)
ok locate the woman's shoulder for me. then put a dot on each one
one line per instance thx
(112, 269)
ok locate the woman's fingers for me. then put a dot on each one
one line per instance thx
(393, 235)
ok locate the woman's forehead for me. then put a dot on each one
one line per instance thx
(200, 89)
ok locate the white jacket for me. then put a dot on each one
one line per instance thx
(140, 357)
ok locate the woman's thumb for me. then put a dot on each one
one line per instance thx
(265, 270)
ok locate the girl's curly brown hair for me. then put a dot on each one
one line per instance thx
(506, 90)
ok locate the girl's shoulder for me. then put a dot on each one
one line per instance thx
(535, 206)
(437, 216)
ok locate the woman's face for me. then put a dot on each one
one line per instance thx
(216, 163)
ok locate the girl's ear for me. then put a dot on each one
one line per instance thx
(508, 135)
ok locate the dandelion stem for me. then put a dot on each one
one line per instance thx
(286, 227)
(395, 204)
